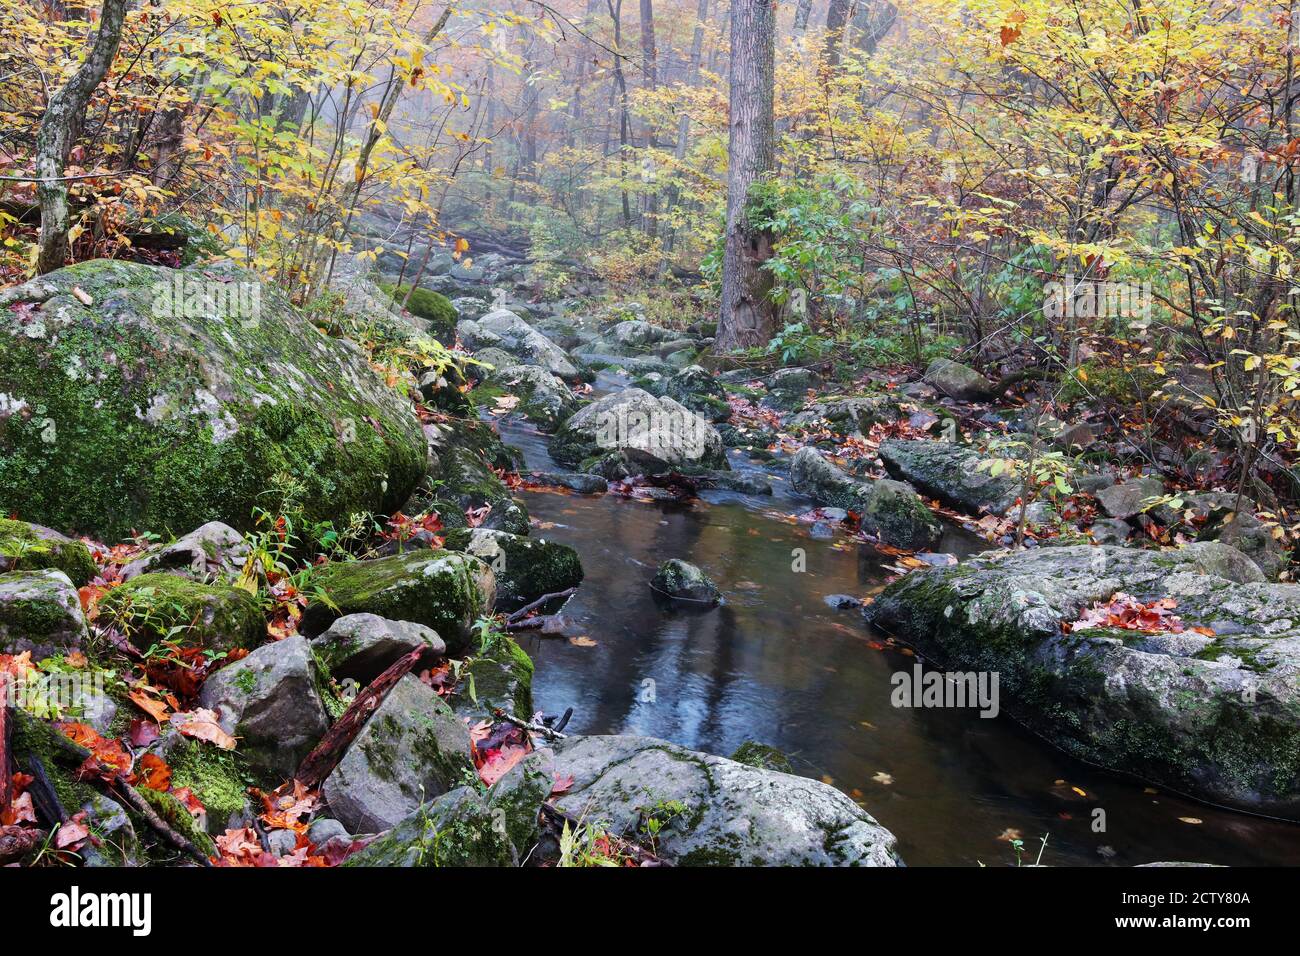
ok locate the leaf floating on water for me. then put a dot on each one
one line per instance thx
(1009, 834)
(883, 778)
(582, 640)
(1194, 821)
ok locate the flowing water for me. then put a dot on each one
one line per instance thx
(778, 665)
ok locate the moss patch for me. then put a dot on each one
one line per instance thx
(155, 607)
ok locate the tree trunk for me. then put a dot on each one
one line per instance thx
(837, 18)
(801, 12)
(59, 129)
(650, 222)
(747, 315)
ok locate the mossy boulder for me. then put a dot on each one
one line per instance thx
(410, 751)
(161, 606)
(950, 472)
(889, 510)
(463, 456)
(40, 612)
(457, 829)
(218, 778)
(753, 754)
(543, 398)
(680, 580)
(1214, 713)
(958, 381)
(138, 397)
(434, 307)
(500, 677)
(31, 547)
(212, 553)
(525, 568)
(443, 590)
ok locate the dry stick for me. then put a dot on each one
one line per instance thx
(157, 823)
(523, 612)
(317, 765)
(532, 728)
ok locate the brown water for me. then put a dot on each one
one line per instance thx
(776, 664)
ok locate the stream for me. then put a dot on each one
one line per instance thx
(778, 665)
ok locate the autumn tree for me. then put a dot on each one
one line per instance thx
(748, 315)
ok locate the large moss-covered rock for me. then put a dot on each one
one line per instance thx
(543, 398)
(716, 812)
(949, 472)
(433, 307)
(890, 510)
(162, 606)
(31, 547)
(39, 612)
(410, 751)
(459, 828)
(137, 397)
(443, 590)
(525, 568)
(498, 677)
(1215, 715)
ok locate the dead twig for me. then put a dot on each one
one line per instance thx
(545, 599)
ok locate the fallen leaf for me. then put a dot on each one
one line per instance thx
(201, 724)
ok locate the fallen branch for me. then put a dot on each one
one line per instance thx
(316, 766)
(160, 826)
(533, 727)
(545, 599)
(6, 747)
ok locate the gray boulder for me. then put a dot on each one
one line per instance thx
(360, 647)
(505, 330)
(411, 751)
(1130, 498)
(271, 701)
(957, 381)
(543, 398)
(213, 552)
(40, 612)
(949, 472)
(458, 829)
(1214, 715)
(645, 434)
(734, 815)
(890, 510)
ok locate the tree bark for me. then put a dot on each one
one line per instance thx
(801, 13)
(837, 18)
(60, 127)
(747, 315)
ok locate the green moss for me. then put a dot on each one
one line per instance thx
(155, 607)
(23, 548)
(173, 813)
(501, 678)
(219, 778)
(58, 756)
(431, 306)
(753, 754)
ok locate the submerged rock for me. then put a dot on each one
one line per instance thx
(1216, 716)
(525, 568)
(271, 701)
(682, 581)
(443, 590)
(411, 751)
(949, 472)
(890, 510)
(730, 814)
(360, 647)
(178, 396)
(40, 612)
(32, 547)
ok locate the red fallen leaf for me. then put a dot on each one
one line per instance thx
(190, 802)
(1125, 612)
(201, 724)
(500, 762)
(20, 810)
(561, 785)
(72, 834)
(143, 732)
(152, 772)
(152, 706)
(284, 808)
(241, 848)
(107, 757)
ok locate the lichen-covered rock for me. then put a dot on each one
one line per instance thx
(1216, 516)
(443, 590)
(650, 435)
(40, 612)
(154, 607)
(411, 751)
(177, 396)
(543, 398)
(214, 552)
(218, 778)
(753, 754)
(1214, 716)
(788, 388)
(890, 510)
(32, 547)
(854, 414)
(1125, 500)
(459, 828)
(360, 647)
(505, 330)
(525, 568)
(271, 701)
(731, 814)
(498, 677)
(957, 381)
(680, 580)
(949, 472)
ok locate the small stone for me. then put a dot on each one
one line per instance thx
(682, 581)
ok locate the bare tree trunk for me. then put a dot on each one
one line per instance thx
(801, 13)
(60, 127)
(651, 208)
(837, 18)
(747, 315)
